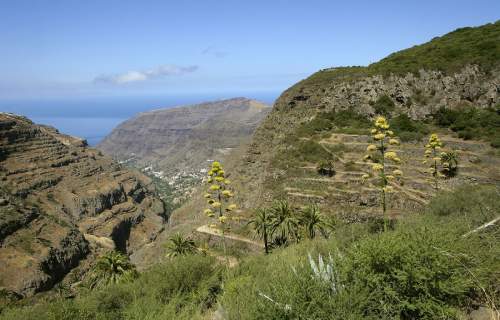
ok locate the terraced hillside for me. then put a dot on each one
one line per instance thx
(347, 194)
(63, 203)
(327, 116)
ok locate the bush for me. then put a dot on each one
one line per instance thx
(408, 129)
(343, 120)
(471, 123)
(182, 289)
(384, 106)
(310, 151)
(326, 168)
(409, 275)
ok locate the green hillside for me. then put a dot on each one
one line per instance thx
(448, 53)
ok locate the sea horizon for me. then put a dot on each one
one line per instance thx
(94, 118)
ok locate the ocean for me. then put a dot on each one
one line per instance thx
(94, 118)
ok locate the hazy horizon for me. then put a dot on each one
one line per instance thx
(93, 118)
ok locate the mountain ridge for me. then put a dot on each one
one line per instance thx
(63, 204)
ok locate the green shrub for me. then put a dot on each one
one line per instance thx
(384, 106)
(408, 129)
(409, 275)
(184, 288)
(310, 151)
(341, 121)
(471, 123)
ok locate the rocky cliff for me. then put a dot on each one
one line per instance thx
(61, 203)
(184, 138)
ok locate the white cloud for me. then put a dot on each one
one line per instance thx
(155, 73)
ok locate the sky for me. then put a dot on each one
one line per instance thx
(106, 48)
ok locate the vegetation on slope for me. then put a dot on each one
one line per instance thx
(448, 53)
(424, 268)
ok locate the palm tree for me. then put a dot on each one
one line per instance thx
(113, 267)
(283, 222)
(312, 221)
(180, 246)
(261, 223)
(450, 163)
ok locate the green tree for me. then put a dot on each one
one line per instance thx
(180, 246)
(313, 221)
(284, 224)
(261, 223)
(112, 267)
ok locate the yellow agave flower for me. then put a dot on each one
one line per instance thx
(232, 207)
(219, 179)
(227, 181)
(379, 136)
(210, 173)
(373, 131)
(216, 164)
(371, 148)
(391, 155)
(365, 176)
(397, 160)
(216, 204)
(213, 226)
(221, 173)
(214, 187)
(381, 122)
(227, 193)
(208, 211)
(390, 177)
(394, 142)
(210, 180)
(390, 132)
(207, 195)
(222, 219)
(367, 157)
(377, 167)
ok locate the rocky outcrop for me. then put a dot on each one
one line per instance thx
(183, 138)
(63, 202)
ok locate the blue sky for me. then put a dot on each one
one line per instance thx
(74, 48)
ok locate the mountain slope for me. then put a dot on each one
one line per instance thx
(62, 203)
(184, 138)
(327, 116)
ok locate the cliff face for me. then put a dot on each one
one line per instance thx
(61, 203)
(184, 138)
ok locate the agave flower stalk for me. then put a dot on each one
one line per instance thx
(381, 153)
(219, 195)
(432, 148)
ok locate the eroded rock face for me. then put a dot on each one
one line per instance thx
(63, 202)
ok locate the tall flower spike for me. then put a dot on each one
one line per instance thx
(431, 151)
(379, 153)
(218, 195)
